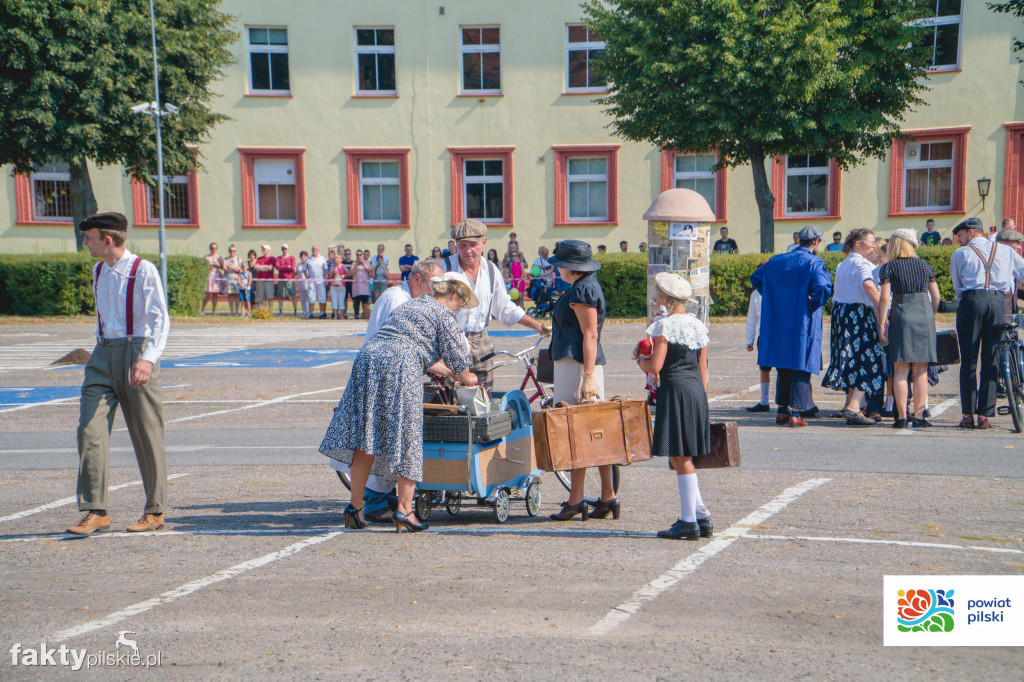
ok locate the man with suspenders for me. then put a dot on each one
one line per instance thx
(470, 241)
(982, 274)
(131, 332)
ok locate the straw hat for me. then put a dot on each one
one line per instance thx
(464, 285)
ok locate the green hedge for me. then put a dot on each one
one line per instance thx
(623, 278)
(61, 283)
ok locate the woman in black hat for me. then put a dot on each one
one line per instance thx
(577, 319)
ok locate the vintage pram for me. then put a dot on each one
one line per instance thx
(488, 460)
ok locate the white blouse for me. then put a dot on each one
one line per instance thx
(850, 277)
(681, 328)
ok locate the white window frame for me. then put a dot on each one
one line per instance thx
(697, 175)
(374, 50)
(809, 170)
(945, 20)
(266, 49)
(917, 164)
(171, 180)
(49, 176)
(581, 47)
(256, 194)
(587, 178)
(468, 179)
(479, 49)
(379, 182)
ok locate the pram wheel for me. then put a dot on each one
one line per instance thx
(532, 311)
(533, 499)
(453, 503)
(424, 505)
(501, 504)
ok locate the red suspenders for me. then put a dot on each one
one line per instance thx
(129, 304)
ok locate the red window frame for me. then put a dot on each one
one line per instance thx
(1013, 197)
(668, 174)
(457, 156)
(141, 198)
(353, 157)
(249, 154)
(25, 207)
(896, 167)
(835, 193)
(562, 155)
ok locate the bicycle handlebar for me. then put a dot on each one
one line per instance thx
(518, 356)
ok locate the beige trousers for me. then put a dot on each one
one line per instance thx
(569, 378)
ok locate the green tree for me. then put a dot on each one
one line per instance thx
(70, 71)
(761, 78)
(1016, 8)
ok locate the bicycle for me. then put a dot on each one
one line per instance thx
(1011, 369)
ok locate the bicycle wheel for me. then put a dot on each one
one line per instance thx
(345, 480)
(1014, 389)
(592, 485)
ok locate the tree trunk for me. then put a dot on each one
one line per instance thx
(764, 197)
(83, 202)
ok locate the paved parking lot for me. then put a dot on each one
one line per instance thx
(253, 575)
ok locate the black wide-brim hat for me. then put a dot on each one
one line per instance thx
(575, 255)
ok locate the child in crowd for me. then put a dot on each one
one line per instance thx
(245, 290)
(753, 330)
(380, 278)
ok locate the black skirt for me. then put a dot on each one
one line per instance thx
(682, 427)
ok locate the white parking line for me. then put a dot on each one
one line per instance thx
(189, 588)
(69, 500)
(26, 406)
(943, 406)
(898, 543)
(621, 613)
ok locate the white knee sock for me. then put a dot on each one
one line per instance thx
(887, 405)
(688, 494)
(764, 393)
(702, 511)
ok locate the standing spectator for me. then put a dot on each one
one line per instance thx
(380, 278)
(753, 332)
(982, 273)
(338, 286)
(232, 267)
(792, 331)
(347, 261)
(857, 364)
(724, 244)
(680, 359)
(643, 247)
(601, 248)
(492, 256)
(380, 252)
(435, 253)
(214, 280)
(542, 262)
(302, 283)
(909, 283)
(837, 242)
(265, 278)
(285, 264)
(245, 289)
(406, 262)
(946, 241)
(515, 273)
(1009, 224)
(795, 244)
(623, 246)
(360, 274)
(452, 246)
(316, 270)
(931, 236)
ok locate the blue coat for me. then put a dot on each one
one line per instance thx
(793, 288)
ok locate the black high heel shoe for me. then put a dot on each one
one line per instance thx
(602, 509)
(352, 519)
(407, 522)
(570, 510)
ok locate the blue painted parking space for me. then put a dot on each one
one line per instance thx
(510, 332)
(15, 396)
(265, 358)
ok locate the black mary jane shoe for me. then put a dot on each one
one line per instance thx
(760, 407)
(407, 522)
(352, 519)
(706, 529)
(601, 509)
(570, 510)
(921, 423)
(681, 530)
(899, 424)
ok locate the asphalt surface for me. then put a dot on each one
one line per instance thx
(254, 576)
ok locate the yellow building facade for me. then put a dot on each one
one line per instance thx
(365, 123)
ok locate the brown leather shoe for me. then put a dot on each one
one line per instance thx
(983, 422)
(90, 523)
(781, 419)
(146, 523)
(796, 420)
(967, 422)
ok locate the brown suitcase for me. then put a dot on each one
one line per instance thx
(616, 431)
(725, 447)
(947, 348)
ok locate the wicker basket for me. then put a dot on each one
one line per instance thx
(452, 428)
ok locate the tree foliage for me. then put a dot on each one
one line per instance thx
(1016, 8)
(761, 78)
(70, 71)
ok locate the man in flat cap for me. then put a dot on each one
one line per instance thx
(793, 286)
(983, 273)
(124, 369)
(470, 238)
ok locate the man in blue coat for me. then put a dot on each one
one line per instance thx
(793, 288)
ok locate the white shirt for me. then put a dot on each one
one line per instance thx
(542, 263)
(494, 300)
(850, 277)
(753, 316)
(385, 305)
(316, 268)
(791, 247)
(968, 271)
(387, 261)
(150, 309)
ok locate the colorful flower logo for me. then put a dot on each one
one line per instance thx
(925, 611)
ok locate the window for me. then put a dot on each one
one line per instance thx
(43, 196)
(926, 172)
(942, 33)
(586, 184)
(273, 187)
(481, 61)
(1013, 188)
(378, 186)
(693, 171)
(583, 47)
(181, 203)
(268, 61)
(481, 180)
(375, 61)
(176, 209)
(806, 185)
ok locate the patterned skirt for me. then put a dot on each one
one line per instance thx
(857, 360)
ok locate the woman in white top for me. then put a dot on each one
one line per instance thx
(856, 361)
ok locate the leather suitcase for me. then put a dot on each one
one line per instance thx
(947, 348)
(616, 431)
(725, 447)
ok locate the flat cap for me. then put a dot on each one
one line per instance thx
(907, 235)
(469, 229)
(105, 221)
(1009, 235)
(810, 233)
(969, 224)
